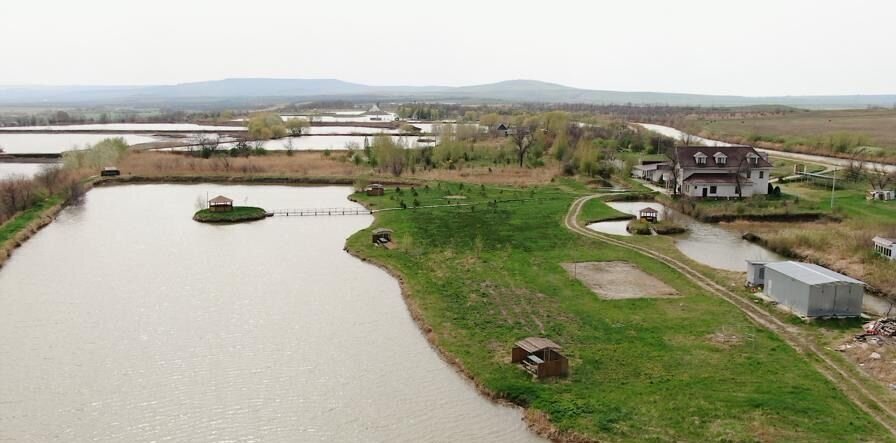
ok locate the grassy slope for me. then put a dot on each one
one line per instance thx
(19, 222)
(641, 369)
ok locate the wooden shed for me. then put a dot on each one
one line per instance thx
(220, 204)
(648, 214)
(375, 189)
(110, 171)
(541, 357)
(382, 236)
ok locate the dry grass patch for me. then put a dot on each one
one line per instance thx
(617, 280)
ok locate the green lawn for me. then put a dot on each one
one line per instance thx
(19, 222)
(641, 370)
(236, 215)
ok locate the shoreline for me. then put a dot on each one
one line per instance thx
(18, 239)
(536, 421)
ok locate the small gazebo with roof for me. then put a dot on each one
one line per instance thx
(220, 204)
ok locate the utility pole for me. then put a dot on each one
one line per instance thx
(833, 187)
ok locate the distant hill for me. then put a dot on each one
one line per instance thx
(267, 90)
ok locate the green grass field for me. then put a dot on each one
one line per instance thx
(238, 214)
(641, 370)
(19, 222)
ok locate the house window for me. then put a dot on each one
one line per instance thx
(761, 174)
(712, 189)
(701, 160)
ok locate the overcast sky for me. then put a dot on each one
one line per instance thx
(745, 47)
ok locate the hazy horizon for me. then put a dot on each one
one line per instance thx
(759, 48)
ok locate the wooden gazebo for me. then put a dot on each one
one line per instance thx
(541, 357)
(648, 214)
(220, 204)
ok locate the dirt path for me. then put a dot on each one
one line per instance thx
(853, 385)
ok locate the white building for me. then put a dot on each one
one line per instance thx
(885, 247)
(722, 172)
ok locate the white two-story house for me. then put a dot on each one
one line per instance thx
(721, 172)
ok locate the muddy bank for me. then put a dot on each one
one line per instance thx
(789, 217)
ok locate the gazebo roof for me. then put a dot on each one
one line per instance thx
(220, 200)
(534, 344)
(649, 210)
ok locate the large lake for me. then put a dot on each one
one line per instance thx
(55, 143)
(125, 320)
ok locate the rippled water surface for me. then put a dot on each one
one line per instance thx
(125, 320)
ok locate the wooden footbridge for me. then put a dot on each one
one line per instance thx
(310, 212)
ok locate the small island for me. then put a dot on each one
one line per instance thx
(221, 210)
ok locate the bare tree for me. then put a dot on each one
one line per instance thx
(671, 153)
(688, 139)
(855, 167)
(50, 176)
(744, 170)
(210, 144)
(880, 178)
(522, 137)
(289, 146)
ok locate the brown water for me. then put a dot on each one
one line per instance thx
(125, 320)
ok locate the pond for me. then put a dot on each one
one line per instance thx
(322, 142)
(125, 320)
(26, 170)
(706, 243)
(185, 127)
(56, 143)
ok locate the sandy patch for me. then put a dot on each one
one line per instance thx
(616, 280)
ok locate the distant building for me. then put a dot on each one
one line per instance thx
(810, 290)
(885, 247)
(656, 171)
(502, 130)
(108, 171)
(721, 172)
(220, 204)
(375, 113)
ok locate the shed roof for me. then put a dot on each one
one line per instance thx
(649, 210)
(884, 241)
(220, 200)
(382, 231)
(810, 273)
(375, 186)
(534, 344)
(110, 168)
